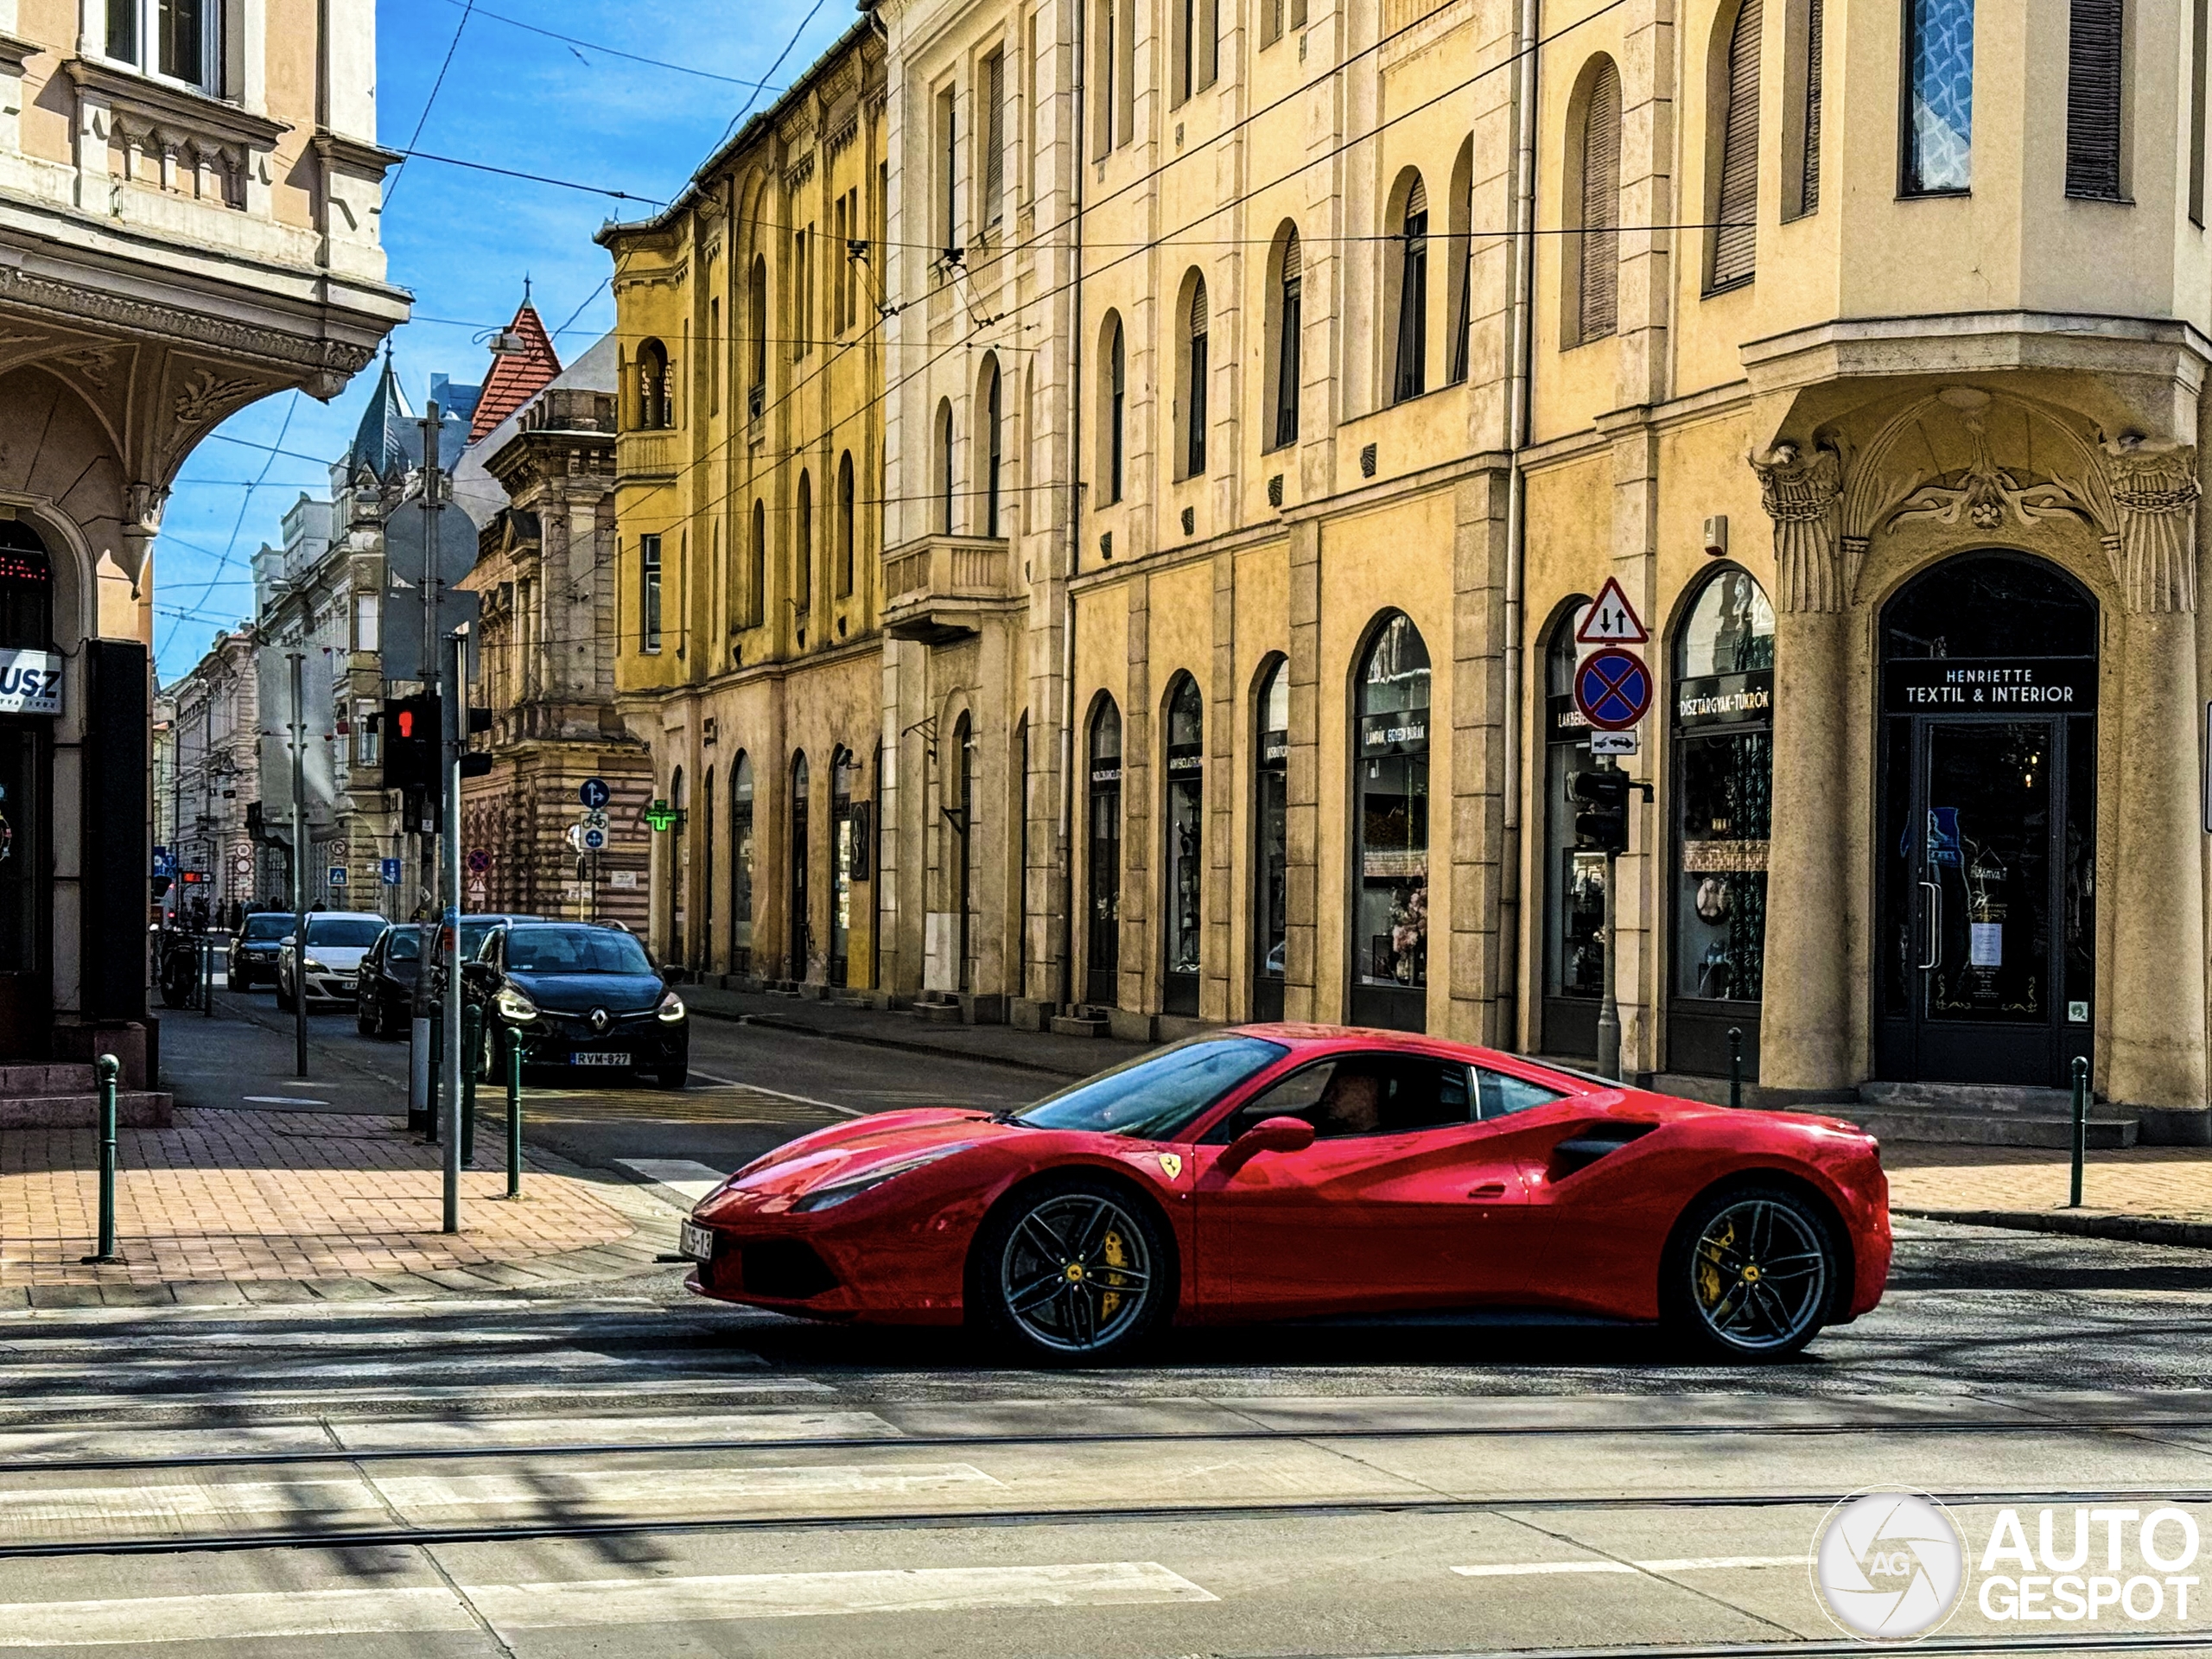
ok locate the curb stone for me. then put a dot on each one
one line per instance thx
(2080, 1223)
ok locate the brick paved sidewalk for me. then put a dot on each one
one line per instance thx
(2162, 1194)
(250, 1198)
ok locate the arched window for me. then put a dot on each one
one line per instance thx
(1939, 95)
(756, 587)
(1389, 935)
(740, 869)
(757, 393)
(1198, 46)
(1574, 880)
(1733, 195)
(1593, 175)
(1187, 761)
(944, 466)
(1459, 254)
(960, 815)
(846, 531)
(1723, 776)
(1113, 395)
(1103, 914)
(800, 922)
(1023, 787)
(991, 446)
(1285, 322)
(1190, 377)
(1271, 826)
(706, 928)
(842, 767)
(679, 876)
(802, 555)
(1411, 377)
(655, 396)
(26, 590)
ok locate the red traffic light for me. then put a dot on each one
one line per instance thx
(407, 722)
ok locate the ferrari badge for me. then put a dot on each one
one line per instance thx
(1171, 1165)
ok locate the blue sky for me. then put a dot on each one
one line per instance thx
(462, 241)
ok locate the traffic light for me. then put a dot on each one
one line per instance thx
(1601, 817)
(412, 744)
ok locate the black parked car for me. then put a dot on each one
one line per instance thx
(253, 953)
(384, 998)
(582, 996)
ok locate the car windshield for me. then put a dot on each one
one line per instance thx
(1151, 1098)
(574, 951)
(346, 931)
(406, 945)
(267, 927)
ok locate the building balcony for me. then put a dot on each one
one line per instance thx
(653, 454)
(940, 588)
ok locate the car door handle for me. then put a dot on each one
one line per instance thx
(1488, 1190)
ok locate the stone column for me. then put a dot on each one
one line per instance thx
(2154, 1056)
(1804, 1024)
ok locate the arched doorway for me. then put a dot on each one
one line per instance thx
(1102, 925)
(740, 872)
(1271, 849)
(800, 920)
(679, 875)
(841, 768)
(1185, 821)
(1987, 823)
(1722, 792)
(1573, 877)
(26, 745)
(705, 931)
(1389, 933)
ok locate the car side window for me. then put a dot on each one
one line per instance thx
(1363, 1094)
(1503, 1094)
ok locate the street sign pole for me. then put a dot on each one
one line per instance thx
(1609, 1008)
(1613, 691)
(298, 660)
(456, 741)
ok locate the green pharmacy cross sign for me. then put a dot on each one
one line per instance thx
(661, 815)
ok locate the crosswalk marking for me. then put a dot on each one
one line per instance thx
(147, 1622)
(470, 1392)
(1684, 1563)
(680, 1176)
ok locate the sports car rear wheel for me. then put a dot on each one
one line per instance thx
(1073, 1269)
(1751, 1272)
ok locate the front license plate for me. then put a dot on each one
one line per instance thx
(599, 1059)
(696, 1242)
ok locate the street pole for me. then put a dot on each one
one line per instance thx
(298, 659)
(456, 736)
(421, 1083)
(1609, 1008)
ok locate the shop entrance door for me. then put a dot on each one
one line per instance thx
(1986, 856)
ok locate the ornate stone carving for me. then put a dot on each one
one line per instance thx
(95, 365)
(1986, 493)
(1799, 494)
(2154, 487)
(204, 399)
(79, 303)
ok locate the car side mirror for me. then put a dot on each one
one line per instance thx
(1269, 1135)
(478, 973)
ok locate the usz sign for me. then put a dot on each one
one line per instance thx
(30, 682)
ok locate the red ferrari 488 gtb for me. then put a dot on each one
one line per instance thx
(1303, 1172)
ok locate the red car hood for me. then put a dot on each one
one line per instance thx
(846, 1151)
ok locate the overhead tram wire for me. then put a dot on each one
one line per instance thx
(224, 560)
(391, 185)
(606, 50)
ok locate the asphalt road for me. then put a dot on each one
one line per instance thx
(634, 1472)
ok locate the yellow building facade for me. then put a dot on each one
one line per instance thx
(749, 445)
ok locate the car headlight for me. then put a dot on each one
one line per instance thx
(314, 966)
(824, 1198)
(514, 1006)
(671, 1009)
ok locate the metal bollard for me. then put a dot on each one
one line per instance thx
(471, 1021)
(514, 1114)
(108, 1069)
(2081, 1129)
(207, 977)
(1736, 1067)
(437, 1096)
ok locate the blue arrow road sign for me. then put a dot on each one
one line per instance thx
(595, 793)
(389, 868)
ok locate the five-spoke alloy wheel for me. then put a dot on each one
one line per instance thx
(1073, 1270)
(1752, 1273)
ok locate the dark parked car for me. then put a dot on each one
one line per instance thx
(385, 996)
(253, 953)
(581, 996)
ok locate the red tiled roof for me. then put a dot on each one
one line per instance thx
(515, 380)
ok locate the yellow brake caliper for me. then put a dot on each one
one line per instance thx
(1710, 1287)
(1117, 1255)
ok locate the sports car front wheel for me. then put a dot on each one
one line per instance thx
(1073, 1269)
(1751, 1272)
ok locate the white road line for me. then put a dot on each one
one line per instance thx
(793, 1595)
(144, 1622)
(804, 1100)
(323, 1400)
(695, 1488)
(683, 1178)
(1685, 1564)
(148, 1622)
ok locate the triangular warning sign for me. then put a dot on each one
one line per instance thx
(1612, 620)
